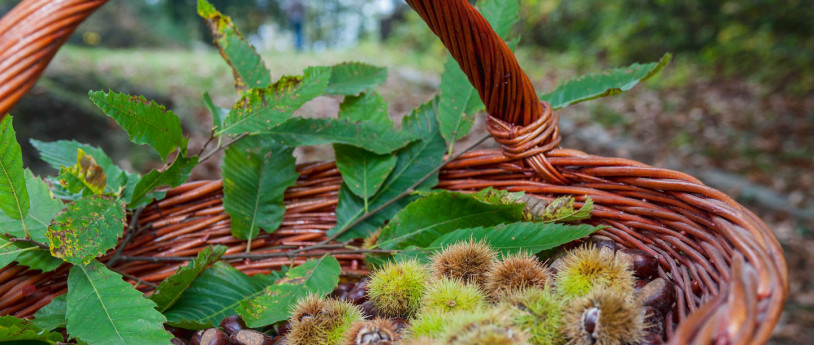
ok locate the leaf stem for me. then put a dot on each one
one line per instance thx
(220, 147)
(127, 238)
(28, 240)
(407, 192)
(211, 137)
(25, 228)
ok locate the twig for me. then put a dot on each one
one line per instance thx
(407, 192)
(127, 238)
(211, 137)
(27, 240)
(136, 279)
(155, 259)
(219, 148)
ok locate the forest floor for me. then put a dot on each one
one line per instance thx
(754, 144)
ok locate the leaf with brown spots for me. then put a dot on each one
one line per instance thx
(263, 108)
(247, 67)
(145, 121)
(318, 277)
(86, 229)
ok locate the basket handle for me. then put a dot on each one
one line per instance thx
(524, 126)
(30, 35)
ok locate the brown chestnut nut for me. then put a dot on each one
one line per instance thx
(196, 337)
(341, 291)
(369, 310)
(214, 336)
(278, 340)
(653, 321)
(249, 337)
(645, 266)
(602, 242)
(652, 339)
(658, 294)
(232, 324)
(178, 341)
(282, 328)
(178, 332)
(358, 294)
(400, 323)
(639, 285)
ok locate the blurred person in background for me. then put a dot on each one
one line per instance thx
(295, 11)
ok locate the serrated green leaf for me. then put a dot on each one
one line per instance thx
(439, 213)
(413, 163)
(375, 137)
(218, 114)
(86, 228)
(52, 315)
(610, 82)
(84, 177)
(516, 237)
(21, 331)
(104, 309)
(143, 190)
(247, 67)
(262, 108)
(43, 208)
(502, 15)
(368, 106)
(459, 101)
(39, 259)
(363, 172)
(13, 193)
(171, 288)
(213, 296)
(145, 121)
(256, 172)
(62, 153)
(351, 78)
(318, 277)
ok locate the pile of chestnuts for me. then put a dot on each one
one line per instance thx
(589, 294)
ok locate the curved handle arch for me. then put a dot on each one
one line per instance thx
(485, 58)
(30, 35)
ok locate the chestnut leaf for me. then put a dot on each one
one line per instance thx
(86, 228)
(319, 277)
(13, 191)
(247, 66)
(104, 309)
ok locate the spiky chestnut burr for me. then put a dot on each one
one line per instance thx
(374, 332)
(490, 326)
(514, 273)
(396, 289)
(315, 321)
(452, 295)
(603, 317)
(587, 267)
(467, 261)
(490, 334)
(539, 312)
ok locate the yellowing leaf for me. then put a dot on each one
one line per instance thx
(86, 174)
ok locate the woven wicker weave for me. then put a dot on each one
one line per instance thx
(728, 268)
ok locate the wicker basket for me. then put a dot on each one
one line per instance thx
(728, 268)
